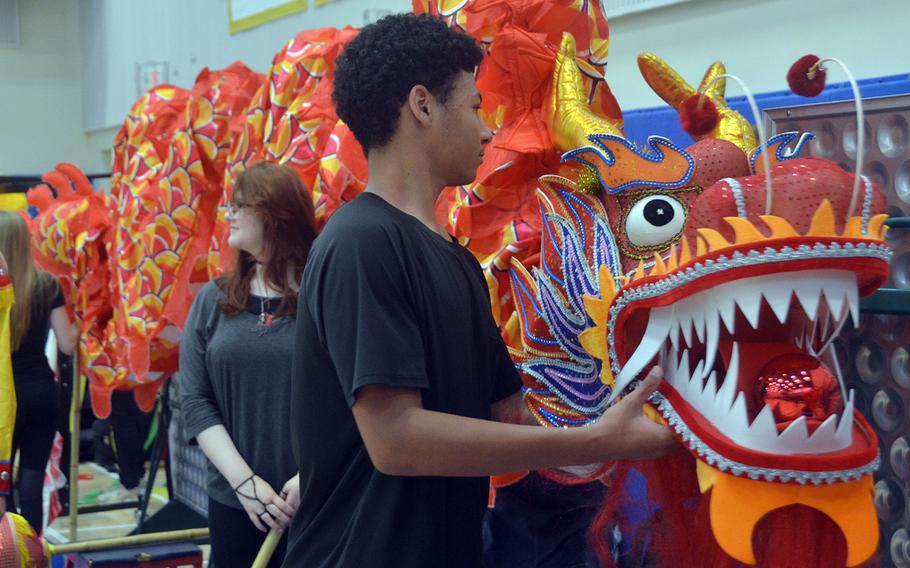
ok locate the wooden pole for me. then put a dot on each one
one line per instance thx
(125, 541)
(75, 415)
(268, 548)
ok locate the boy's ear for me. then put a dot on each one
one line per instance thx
(419, 99)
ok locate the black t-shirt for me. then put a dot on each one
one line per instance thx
(29, 361)
(385, 300)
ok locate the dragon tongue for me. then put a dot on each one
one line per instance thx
(738, 503)
(798, 385)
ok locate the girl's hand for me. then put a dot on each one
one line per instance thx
(265, 508)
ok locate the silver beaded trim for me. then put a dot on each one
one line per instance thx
(867, 205)
(737, 191)
(752, 472)
(736, 260)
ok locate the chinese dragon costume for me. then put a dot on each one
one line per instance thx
(603, 259)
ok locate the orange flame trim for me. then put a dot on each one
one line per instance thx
(710, 240)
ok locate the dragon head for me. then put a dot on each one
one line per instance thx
(683, 259)
(742, 325)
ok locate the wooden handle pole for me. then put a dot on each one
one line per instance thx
(75, 415)
(267, 549)
(131, 540)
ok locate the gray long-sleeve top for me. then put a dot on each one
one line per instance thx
(237, 373)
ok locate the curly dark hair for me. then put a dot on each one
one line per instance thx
(380, 66)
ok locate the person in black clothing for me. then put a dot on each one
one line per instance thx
(399, 371)
(38, 308)
(129, 426)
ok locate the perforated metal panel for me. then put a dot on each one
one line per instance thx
(875, 356)
(188, 463)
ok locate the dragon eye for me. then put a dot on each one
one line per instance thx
(655, 220)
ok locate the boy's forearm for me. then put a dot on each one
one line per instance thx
(435, 443)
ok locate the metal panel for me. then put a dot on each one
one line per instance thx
(188, 463)
(875, 356)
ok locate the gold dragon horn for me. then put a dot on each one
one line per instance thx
(571, 120)
(672, 88)
(717, 89)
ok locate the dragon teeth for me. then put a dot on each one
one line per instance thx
(737, 420)
(853, 302)
(670, 367)
(727, 392)
(726, 308)
(825, 436)
(674, 337)
(683, 370)
(712, 334)
(794, 438)
(750, 306)
(836, 299)
(693, 386)
(809, 295)
(778, 291)
(844, 432)
(685, 325)
(654, 338)
(698, 321)
(763, 427)
(726, 407)
(700, 316)
(710, 392)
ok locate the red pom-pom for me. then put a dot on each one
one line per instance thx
(698, 115)
(805, 78)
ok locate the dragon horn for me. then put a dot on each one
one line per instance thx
(664, 80)
(570, 118)
(81, 183)
(673, 89)
(40, 197)
(59, 182)
(718, 89)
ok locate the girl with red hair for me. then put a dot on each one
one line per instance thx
(235, 364)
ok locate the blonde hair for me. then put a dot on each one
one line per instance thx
(29, 285)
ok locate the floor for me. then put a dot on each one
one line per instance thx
(93, 480)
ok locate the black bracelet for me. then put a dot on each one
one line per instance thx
(254, 496)
(239, 485)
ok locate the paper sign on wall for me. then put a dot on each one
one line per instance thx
(150, 74)
(244, 14)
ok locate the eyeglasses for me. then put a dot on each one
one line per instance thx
(232, 208)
